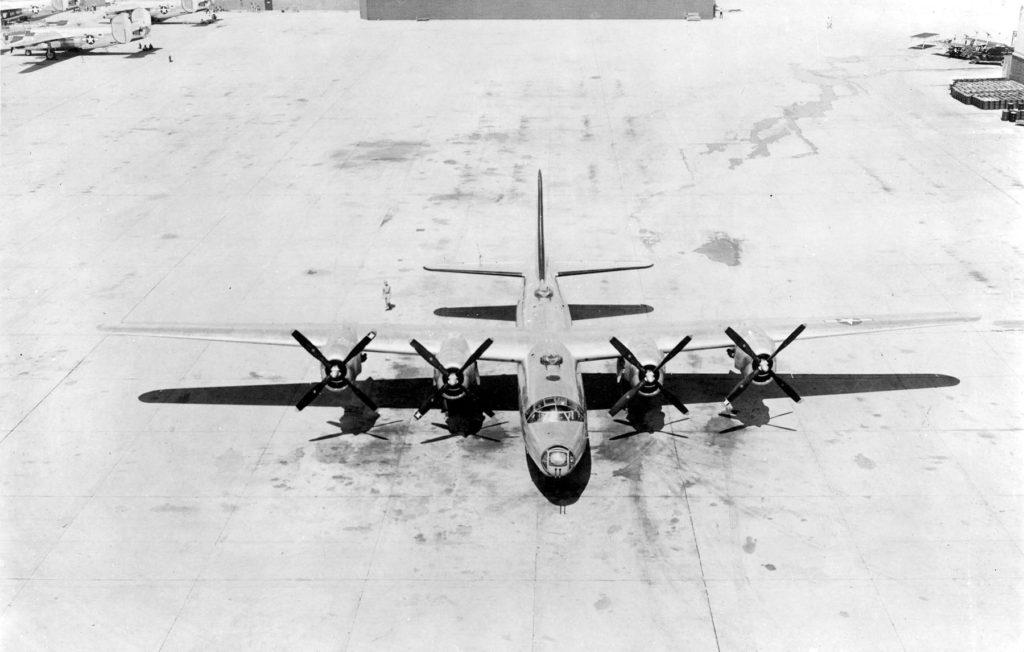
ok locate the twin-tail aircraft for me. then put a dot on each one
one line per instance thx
(548, 347)
(84, 33)
(161, 10)
(13, 11)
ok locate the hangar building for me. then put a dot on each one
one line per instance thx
(527, 9)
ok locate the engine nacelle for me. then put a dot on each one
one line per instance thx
(648, 355)
(335, 372)
(763, 346)
(454, 352)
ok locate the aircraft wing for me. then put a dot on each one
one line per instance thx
(33, 39)
(593, 344)
(509, 344)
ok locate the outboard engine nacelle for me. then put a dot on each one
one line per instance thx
(336, 371)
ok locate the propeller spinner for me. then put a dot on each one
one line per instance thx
(335, 371)
(649, 375)
(453, 385)
(762, 364)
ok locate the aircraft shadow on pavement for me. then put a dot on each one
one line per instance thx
(501, 391)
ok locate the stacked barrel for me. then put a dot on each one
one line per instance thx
(989, 94)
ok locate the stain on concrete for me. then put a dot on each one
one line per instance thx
(770, 567)
(167, 507)
(455, 195)
(603, 603)
(768, 131)
(750, 546)
(649, 238)
(713, 148)
(844, 614)
(882, 184)
(587, 133)
(169, 236)
(864, 462)
(721, 249)
(384, 151)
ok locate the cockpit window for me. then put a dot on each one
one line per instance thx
(554, 408)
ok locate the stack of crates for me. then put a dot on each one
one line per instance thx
(988, 94)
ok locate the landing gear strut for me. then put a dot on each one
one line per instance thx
(50, 54)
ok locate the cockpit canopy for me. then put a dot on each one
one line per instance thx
(554, 408)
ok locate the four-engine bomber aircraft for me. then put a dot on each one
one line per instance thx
(160, 10)
(12, 11)
(547, 349)
(84, 34)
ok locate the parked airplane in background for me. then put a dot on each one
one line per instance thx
(83, 35)
(547, 349)
(161, 10)
(12, 11)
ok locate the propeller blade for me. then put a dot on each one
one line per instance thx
(674, 352)
(311, 395)
(441, 438)
(789, 340)
(358, 348)
(732, 429)
(736, 391)
(427, 404)
(784, 386)
(780, 427)
(673, 399)
(478, 435)
(674, 434)
(625, 353)
(367, 401)
(740, 342)
(310, 347)
(624, 435)
(337, 434)
(476, 354)
(623, 401)
(428, 356)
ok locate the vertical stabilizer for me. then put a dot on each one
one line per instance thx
(541, 267)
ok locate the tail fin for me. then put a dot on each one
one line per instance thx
(541, 266)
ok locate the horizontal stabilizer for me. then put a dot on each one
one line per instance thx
(581, 311)
(601, 270)
(494, 313)
(475, 269)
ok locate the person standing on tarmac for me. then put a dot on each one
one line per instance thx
(386, 291)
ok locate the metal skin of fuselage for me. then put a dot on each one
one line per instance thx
(550, 370)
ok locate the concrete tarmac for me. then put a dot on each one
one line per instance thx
(782, 162)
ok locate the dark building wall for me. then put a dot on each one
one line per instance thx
(526, 9)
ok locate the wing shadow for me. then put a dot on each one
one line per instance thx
(501, 391)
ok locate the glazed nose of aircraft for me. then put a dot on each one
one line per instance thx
(558, 460)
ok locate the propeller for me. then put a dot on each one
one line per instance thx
(335, 371)
(345, 430)
(638, 430)
(453, 386)
(650, 376)
(453, 433)
(763, 370)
